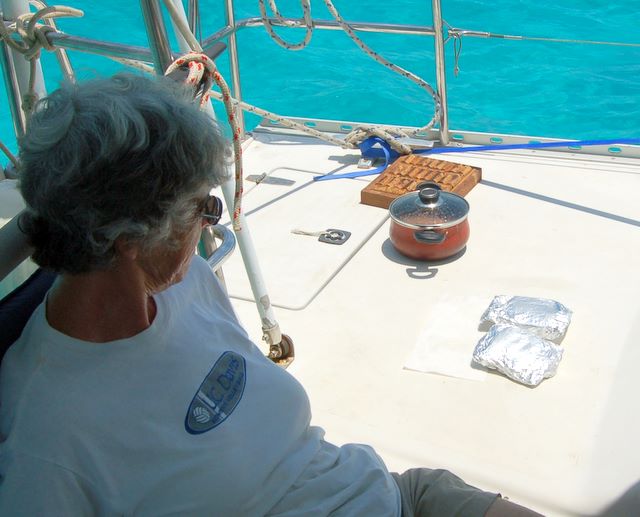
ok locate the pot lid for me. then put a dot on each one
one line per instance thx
(429, 207)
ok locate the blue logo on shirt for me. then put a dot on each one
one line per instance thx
(218, 395)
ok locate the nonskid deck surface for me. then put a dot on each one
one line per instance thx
(542, 224)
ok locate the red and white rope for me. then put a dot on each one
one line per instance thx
(202, 70)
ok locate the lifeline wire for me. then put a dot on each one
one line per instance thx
(530, 145)
(455, 32)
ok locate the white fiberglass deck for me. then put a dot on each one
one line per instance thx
(542, 224)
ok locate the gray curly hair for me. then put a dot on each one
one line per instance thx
(118, 157)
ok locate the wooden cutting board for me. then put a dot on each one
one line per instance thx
(408, 171)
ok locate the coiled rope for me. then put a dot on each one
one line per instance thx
(306, 18)
(360, 133)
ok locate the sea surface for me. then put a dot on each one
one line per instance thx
(534, 88)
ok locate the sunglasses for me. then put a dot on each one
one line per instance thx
(211, 210)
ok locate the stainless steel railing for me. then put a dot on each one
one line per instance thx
(159, 50)
(217, 254)
(234, 26)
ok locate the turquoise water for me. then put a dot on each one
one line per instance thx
(533, 88)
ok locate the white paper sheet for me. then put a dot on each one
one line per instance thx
(445, 344)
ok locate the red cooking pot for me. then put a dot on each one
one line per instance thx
(429, 224)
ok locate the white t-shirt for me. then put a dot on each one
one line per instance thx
(186, 418)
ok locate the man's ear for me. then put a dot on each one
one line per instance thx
(126, 249)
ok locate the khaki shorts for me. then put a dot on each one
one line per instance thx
(439, 493)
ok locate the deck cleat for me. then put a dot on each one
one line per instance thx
(333, 236)
(365, 163)
(329, 236)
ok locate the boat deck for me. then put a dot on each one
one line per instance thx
(544, 224)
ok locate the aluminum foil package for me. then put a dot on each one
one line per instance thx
(547, 319)
(520, 355)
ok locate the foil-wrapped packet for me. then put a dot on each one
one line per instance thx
(545, 318)
(520, 355)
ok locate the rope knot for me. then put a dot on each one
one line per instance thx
(38, 41)
(29, 101)
(360, 134)
(33, 35)
(33, 38)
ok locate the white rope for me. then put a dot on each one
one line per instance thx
(61, 53)
(33, 38)
(203, 70)
(132, 63)
(362, 132)
(306, 18)
(212, 75)
(393, 67)
(283, 121)
(352, 139)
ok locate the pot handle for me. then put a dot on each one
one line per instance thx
(428, 184)
(429, 236)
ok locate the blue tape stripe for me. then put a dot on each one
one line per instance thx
(531, 145)
(369, 150)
